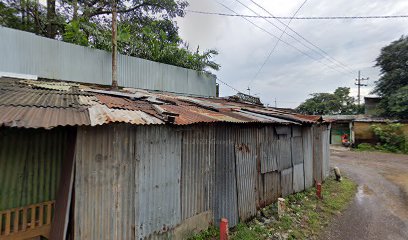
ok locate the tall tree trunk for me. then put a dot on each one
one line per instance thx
(114, 46)
(75, 6)
(36, 17)
(22, 6)
(51, 18)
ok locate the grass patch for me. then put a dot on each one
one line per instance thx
(304, 218)
(210, 233)
(365, 147)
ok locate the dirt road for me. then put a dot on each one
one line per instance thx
(380, 208)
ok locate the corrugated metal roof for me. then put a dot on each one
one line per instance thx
(100, 114)
(33, 117)
(73, 104)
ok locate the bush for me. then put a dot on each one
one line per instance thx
(391, 137)
(366, 147)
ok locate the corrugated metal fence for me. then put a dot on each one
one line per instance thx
(142, 182)
(26, 53)
(30, 165)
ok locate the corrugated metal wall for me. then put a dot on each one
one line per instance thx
(26, 53)
(105, 182)
(158, 151)
(225, 196)
(246, 168)
(141, 182)
(30, 165)
(307, 140)
(326, 151)
(197, 169)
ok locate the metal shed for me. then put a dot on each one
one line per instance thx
(150, 165)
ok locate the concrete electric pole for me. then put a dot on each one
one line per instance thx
(359, 84)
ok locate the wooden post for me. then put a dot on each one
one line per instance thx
(281, 207)
(319, 190)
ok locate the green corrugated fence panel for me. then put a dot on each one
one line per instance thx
(30, 165)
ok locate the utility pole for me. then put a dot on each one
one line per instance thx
(359, 84)
(276, 104)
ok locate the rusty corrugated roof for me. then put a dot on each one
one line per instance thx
(39, 117)
(32, 104)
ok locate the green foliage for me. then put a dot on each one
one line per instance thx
(242, 231)
(211, 233)
(74, 34)
(338, 102)
(393, 83)
(391, 137)
(366, 147)
(145, 28)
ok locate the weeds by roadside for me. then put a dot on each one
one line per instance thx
(304, 218)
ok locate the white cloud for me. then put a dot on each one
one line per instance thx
(288, 75)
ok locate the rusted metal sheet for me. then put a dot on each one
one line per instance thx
(287, 181)
(197, 171)
(245, 154)
(225, 196)
(105, 182)
(30, 165)
(33, 117)
(272, 187)
(290, 116)
(158, 153)
(129, 106)
(298, 178)
(307, 140)
(284, 152)
(101, 114)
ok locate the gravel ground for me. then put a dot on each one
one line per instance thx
(380, 207)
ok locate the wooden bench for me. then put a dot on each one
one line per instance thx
(26, 222)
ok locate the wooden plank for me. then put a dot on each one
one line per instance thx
(39, 231)
(16, 220)
(24, 220)
(32, 223)
(8, 223)
(1, 223)
(49, 213)
(41, 215)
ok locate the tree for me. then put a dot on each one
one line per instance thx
(338, 102)
(145, 28)
(392, 85)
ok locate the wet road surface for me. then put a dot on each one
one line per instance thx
(380, 207)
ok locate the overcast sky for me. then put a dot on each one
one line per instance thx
(289, 76)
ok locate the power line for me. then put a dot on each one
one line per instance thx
(271, 34)
(276, 44)
(226, 84)
(324, 55)
(301, 18)
(294, 38)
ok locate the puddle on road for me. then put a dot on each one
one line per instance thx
(363, 192)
